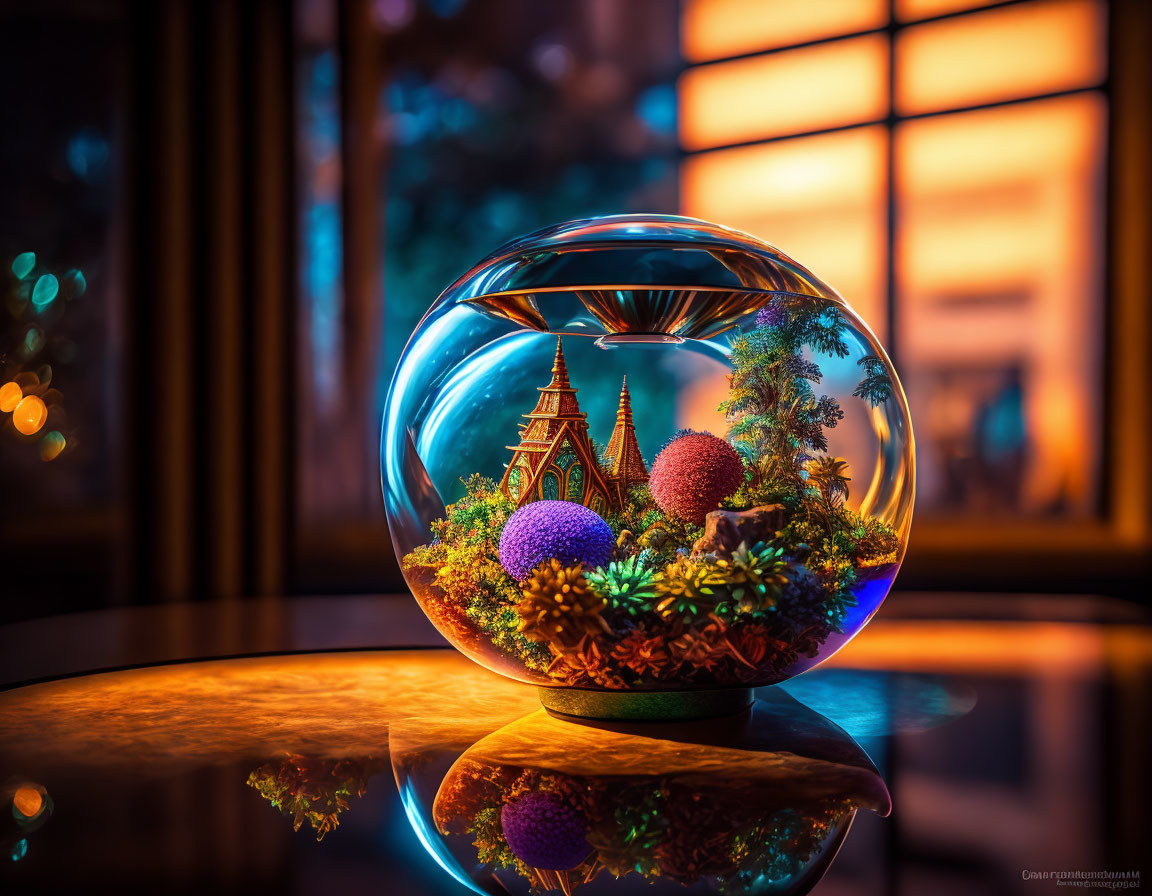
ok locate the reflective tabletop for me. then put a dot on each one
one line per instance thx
(930, 757)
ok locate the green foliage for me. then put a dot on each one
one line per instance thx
(754, 577)
(463, 561)
(638, 514)
(689, 588)
(628, 585)
(464, 555)
(847, 536)
(775, 417)
(876, 385)
(828, 476)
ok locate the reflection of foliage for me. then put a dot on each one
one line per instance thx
(314, 790)
(659, 827)
(876, 385)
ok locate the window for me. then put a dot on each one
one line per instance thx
(576, 484)
(550, 486)
(565, 456)
(944, 171)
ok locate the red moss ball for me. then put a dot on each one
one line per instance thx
(693, 474)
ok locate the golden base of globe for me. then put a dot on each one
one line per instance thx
(645, 706)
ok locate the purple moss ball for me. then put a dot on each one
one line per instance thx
(545, 832)
(543, 530)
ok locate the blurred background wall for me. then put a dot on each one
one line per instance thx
(221, 220)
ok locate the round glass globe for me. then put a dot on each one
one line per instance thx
(641, 454)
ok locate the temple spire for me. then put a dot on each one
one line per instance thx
(622, 457)
(555, 458)
(559, 369)
(624, 411)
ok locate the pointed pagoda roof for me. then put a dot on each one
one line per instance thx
(622, 457)
(556, 420)
(557, 404)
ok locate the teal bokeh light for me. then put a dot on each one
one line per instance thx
(45, 291)
(23, 263)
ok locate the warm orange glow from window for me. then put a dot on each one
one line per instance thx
(28, 801)
(10, 395)
(784, 93)
(907, 10)
(29, 415)
(820, 199)
(1000, 289)
(999, 55)
(713, 29)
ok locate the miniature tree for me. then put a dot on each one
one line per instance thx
(777, 420)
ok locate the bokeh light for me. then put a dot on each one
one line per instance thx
(75, 284)
(29, 415)
(19, 850)
(87, 154)
(23, 263)
(28, 801)
(45, 291)
(51, 446)
(10, 395)
(33, 341)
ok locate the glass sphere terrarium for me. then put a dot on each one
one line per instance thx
(646, 463)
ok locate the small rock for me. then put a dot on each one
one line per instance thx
(724, 530)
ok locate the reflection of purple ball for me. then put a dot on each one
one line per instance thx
(543, 530)
(545, 832)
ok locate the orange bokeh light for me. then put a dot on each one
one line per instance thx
(28, 801)
(784, 93)
(29, 415)
(1000, 54)
(10, 395)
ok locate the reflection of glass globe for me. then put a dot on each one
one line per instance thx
(756, 803)
(646, 454)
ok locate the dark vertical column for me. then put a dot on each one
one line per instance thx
(359, 84)
(211, 297)
(273, 241)
(222, 273)
(160, 315)
(1129, 263)
(1127, 737)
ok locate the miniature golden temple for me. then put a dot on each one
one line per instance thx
(556, 459)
